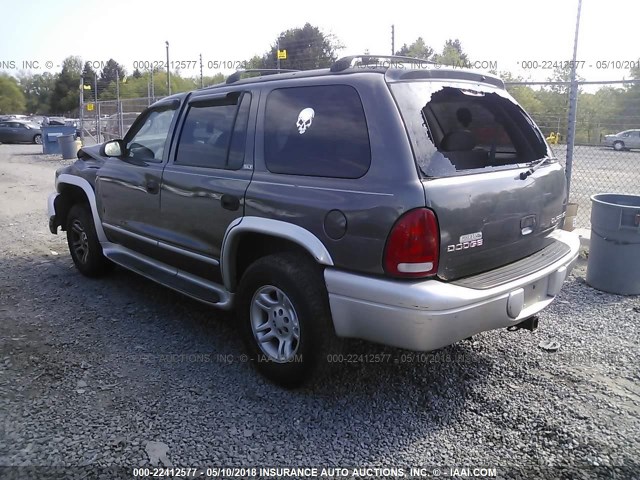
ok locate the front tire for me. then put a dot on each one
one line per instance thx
(84, 246)
(285, 319)
(618, 146)
(37, 139)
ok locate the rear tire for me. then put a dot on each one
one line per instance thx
(37, 139)
(84, 246)
(618, 146)
(285, 320)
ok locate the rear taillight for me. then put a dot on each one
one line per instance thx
(413, 245)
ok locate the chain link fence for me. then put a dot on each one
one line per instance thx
(109, 119)
(600, 164)
(597, 166)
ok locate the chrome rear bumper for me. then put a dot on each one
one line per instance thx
(430, 314)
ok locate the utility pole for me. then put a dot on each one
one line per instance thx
(95, 90)
(201, 81)
(168, 71)
(153, 88)
(118, 105)
(81, 110)
(393, 39)
(278, 53)
(573, 105)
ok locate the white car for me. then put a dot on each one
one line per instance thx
(624, 140)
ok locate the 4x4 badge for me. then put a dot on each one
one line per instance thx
(470, 236)
(470, 240)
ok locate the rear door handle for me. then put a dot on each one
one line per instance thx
(230, 202)
(152, 186)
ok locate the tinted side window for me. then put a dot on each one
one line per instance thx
(316, 131)
(209, 138)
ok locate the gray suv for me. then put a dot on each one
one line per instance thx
(394, 202)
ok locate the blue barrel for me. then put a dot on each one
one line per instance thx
(614, 250)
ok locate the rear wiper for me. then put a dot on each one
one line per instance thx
(524, 175)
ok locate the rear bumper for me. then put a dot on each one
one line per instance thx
(431, 314)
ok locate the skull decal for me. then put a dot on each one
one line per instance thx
(305, 118)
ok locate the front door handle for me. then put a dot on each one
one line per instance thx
(152, 186)
(230, 202)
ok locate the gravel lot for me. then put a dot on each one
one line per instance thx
(92, 371)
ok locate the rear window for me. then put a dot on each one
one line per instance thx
(316, 131)
(455, 130)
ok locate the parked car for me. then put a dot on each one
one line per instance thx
(624, 140)
(20, 118)
(111, 125)
(37, 119)
(56, 120)
(19, 131)
(75, 123)
(354, 201)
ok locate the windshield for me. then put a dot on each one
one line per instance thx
(466, 130)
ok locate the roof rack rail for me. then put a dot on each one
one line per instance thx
(345, 62)
(234, 77)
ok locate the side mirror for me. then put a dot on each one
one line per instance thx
(113, 148)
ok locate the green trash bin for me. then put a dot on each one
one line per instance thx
(614, 251)
(68, 146)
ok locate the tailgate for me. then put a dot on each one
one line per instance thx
(491, 219)
(488, 173)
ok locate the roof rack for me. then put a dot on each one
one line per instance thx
(346, 62)
(234, 77)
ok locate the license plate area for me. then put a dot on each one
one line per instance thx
(535, 292)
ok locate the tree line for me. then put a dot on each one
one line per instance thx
(609, 109)
(49, 94)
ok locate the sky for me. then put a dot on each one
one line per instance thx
(504, 32)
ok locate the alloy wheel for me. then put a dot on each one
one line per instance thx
(274, 323)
